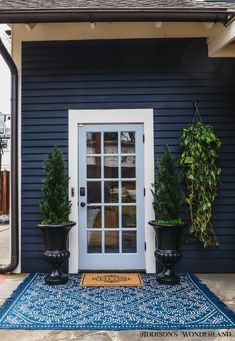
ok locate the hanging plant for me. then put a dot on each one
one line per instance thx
(200, 147)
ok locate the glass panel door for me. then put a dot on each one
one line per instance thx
(111, 203)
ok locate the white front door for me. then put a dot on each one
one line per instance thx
(111, 197)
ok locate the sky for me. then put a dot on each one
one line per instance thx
(5, 79)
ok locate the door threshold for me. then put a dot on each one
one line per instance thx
(112, 271)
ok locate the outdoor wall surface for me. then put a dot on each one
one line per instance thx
(164, 74)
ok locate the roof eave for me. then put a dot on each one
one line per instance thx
(43, 16)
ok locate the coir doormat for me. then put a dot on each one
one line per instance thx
(190, 305)
(111, 280)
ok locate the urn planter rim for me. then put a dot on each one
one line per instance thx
(55, 226)
(153, 223)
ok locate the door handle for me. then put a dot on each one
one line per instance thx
(83, 204)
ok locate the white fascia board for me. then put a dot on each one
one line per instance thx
(217, 43)
(227, 52)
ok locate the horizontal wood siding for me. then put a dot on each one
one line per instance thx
(166, 75)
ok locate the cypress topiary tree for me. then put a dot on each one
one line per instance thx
(55, 206)
(167, 194)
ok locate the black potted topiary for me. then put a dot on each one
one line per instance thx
(55, 208)
(167, 200)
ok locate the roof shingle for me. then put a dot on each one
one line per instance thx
(114, 5)
(34, 11)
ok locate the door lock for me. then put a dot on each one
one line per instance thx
(82, 192)
(83, 204)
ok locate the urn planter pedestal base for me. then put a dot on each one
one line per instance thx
(56, 259)
(167, 259)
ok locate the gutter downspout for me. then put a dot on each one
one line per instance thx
(14, 163)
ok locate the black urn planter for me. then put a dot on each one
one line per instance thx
(167, 251)
(56, 254)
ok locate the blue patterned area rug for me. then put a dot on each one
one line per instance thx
(190, 305)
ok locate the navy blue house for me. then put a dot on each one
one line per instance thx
(165, 75)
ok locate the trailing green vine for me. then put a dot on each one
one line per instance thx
(200, 147)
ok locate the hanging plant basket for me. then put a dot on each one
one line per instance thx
(200, 148)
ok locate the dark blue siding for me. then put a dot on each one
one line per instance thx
(166, 75)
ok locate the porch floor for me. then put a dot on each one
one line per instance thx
(221, 284)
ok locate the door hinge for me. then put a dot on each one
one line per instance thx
(145, 246)
(144, 192)
(72, 191)
(143, 138)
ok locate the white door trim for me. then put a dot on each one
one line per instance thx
(112, 116)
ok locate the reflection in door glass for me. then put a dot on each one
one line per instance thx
(111, 143)
(93, 167)
(129, 242)
(93, 192)
(93, 143)
(94, 217)
(128, 216)
(112, 242)
(111, 214)
(128, 166)
(128, 191)
(127, 142)
(94, 239)
(111, 191)
(111, 167)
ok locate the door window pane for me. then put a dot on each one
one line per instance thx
(111, 219)
(112, 242)
(94, 217)
(93, 167)
(127, 142)
(93, 191)
(94, 239)
(128, 216)
(128, 191)
(111, 191)
(128, 166)
(111, 143)
(111, 167)
(93, 143)
(129, 242)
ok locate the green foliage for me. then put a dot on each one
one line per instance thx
(170, 222)
(167, 194)
(55, 206)
(200, 147)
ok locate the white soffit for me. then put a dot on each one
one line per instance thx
(219, 37)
